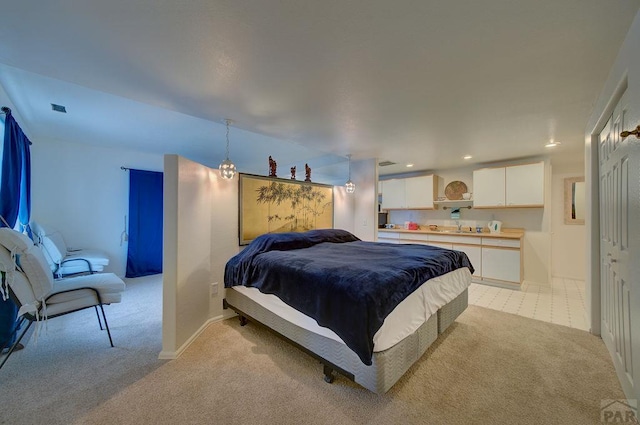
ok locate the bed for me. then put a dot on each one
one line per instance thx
(366, 310)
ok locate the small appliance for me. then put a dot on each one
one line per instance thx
(382, 220)
(494, 226)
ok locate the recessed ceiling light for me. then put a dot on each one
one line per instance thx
(552, 144)
(467, 157)
(409, 165)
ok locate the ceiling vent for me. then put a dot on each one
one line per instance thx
(58, 108)
(386, 163)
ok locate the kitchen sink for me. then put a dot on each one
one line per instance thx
(454, 231)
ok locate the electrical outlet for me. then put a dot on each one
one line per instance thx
(213, 289)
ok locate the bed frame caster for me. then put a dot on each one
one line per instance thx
(328, 374)
(243, 320)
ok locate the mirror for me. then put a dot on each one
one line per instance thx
(574, 202)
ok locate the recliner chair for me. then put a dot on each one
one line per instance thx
(28, 279)
(62, 260)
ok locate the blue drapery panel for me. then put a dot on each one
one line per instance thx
(144, 256)
(15, 193)
(15, 187)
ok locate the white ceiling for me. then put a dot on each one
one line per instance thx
(311, 81)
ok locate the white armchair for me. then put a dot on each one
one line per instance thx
(62, 260)
(28, 279)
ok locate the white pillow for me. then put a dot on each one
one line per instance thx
(35, 266)
(37, 231)
(51, 249)
(18, 281)
(14, 241)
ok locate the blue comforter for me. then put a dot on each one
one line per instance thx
(345, 284)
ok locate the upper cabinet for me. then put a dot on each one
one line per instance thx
(512, 186)
(393, 194)
(488, 187)
(409, 193)
(525, 185)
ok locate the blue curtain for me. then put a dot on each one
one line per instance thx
(144, 256)
(15, 193)
(15, 187)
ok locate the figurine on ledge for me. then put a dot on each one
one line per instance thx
(293, 172)
(272, 167)
(307, 172)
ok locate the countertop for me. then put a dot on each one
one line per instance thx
(506, 233)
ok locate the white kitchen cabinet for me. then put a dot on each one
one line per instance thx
(511, 186)
(488, 187)
(393, 194)
(495, 260)
(474, 253)
(439, 244)
(525, 185)
(420, 192)
(389, 237)
(501, 264)
(409, 193)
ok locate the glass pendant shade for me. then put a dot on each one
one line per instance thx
(351, 186)
(227, 169)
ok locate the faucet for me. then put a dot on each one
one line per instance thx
(459, 226)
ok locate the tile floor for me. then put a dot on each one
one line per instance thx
(562, 302)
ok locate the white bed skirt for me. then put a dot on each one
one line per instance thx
(404, 320)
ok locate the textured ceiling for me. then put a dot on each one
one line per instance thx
(414, 81)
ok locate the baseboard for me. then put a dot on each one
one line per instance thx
(172, 355)
(498, 284)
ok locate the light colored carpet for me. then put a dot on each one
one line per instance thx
(490, 367)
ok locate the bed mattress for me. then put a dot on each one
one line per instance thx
(404, 320)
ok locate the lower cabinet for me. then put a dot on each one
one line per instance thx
(493, 259)
(439, 244)
(501, 264)
(474, 253)
(389, 237)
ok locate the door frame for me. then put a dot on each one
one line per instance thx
(592, 219)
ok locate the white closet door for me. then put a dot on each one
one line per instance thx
(619, 173)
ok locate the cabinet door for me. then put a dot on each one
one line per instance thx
(393, 194)
(419, 192)
(501, 264)
(475, 256)
(525, 185)
(488, 187)
(439, 244)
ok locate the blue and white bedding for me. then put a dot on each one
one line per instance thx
(345, 284)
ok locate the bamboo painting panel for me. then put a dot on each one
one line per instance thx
(272, 205)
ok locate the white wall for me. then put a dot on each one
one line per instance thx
(343, 206)
(365, 209)
(200, 235)
(567, 240)
(81, 191)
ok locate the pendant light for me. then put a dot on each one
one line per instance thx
(227, 168)
(351, 186)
